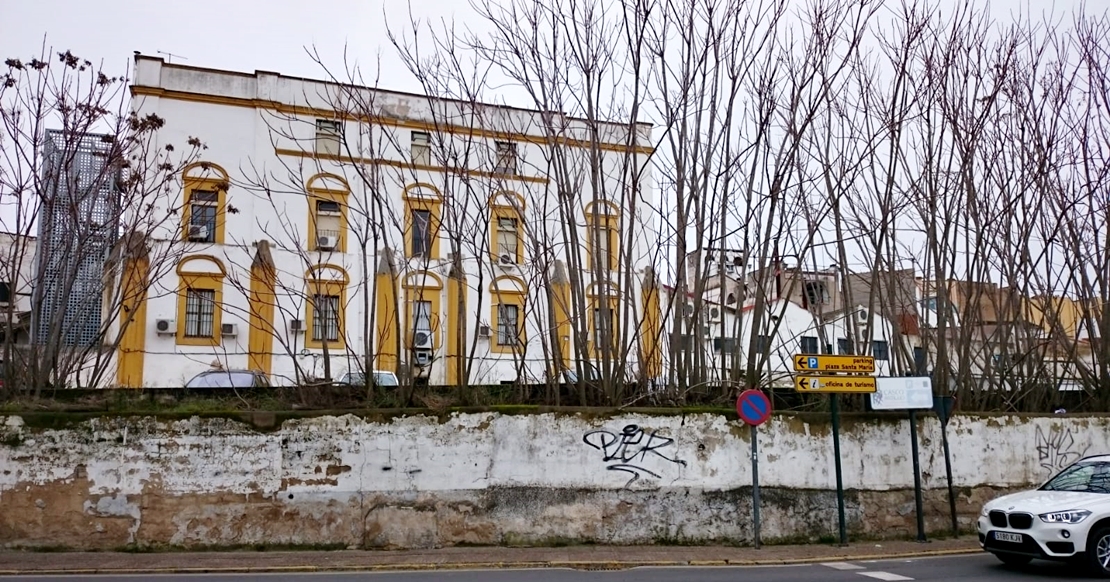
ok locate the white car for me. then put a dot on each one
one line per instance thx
(1067, 518)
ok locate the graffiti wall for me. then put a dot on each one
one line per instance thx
(492, 479)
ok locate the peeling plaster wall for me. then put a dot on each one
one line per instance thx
(493, 479)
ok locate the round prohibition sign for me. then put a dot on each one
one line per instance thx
(754, 407)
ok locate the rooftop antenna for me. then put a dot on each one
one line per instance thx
(170, 56)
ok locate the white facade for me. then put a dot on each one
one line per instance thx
(270, 161)
(786, 329)
(17, 275)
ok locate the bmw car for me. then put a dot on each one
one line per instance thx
(1066, 519)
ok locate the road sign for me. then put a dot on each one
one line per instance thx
(754, 407)
(828, 363)
(835, 384)
(914, 393)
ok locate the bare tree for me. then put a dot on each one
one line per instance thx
(82, 169)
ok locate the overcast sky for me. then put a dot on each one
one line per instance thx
(268, 35)
(225, 34)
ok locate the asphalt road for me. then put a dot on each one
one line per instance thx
(983, 568)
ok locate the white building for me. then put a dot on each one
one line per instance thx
(340, 226)
(17, 276)
(729, 332)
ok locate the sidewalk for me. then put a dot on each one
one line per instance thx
(581, 557)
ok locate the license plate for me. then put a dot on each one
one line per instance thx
(1008, 537)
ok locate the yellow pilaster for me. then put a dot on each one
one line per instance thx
(456, 337)
(651, 357)
(133, 288)
(262, 304)
(386, 317)
(560, 298)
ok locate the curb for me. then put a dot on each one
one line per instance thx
(522, 565)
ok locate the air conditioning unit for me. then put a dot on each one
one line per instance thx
(229, 329)
(862, 315)
(483, 331)
(327, 243)
(198, 232)
(296, 326)
(165, 326)
(507, 260)
(714, 313)
(422, 340)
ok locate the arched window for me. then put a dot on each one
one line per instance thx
(507, 227)
(200, 300)
(205, 211)
(423, 215)
(326, 307)
(423, 294)
(327, 213)
(602, 219)
(507, 304)
(604, 321)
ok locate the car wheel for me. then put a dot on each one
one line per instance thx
(1098, 552)
(1014, 559)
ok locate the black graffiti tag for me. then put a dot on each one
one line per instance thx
(628, 449)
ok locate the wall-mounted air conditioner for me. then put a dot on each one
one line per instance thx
(165, 326)
(198, 232)
(422, 340)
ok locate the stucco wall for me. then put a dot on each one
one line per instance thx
(494, 479)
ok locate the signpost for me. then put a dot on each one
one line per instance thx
(844, 364)
(911, 394)
(943, 406)
(821, 377)
(754, 408)
(836, 384)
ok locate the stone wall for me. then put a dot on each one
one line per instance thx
(502, 479)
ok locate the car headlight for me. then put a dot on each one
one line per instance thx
(984, 511)
(1070, 516)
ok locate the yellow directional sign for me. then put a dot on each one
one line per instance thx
(845, 364)
(861, 384)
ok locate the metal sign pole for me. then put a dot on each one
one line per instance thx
(755, 487)
(834, 401)
(916, 478)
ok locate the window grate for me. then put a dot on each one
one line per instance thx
(325, 318)
(200, 312)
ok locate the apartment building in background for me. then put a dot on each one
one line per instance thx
(327, 223)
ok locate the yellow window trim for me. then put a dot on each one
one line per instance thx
(423, 286)
(206, 183)
(320, 286)
(205, 281)
(515, 211)
(338, 196)
(595, 303)
(501, 297)
(602, 215)
(433, 205)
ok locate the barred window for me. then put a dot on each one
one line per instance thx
(200, 312)
(507, 241)
(508, 332)
(421, 233)
(325, 318)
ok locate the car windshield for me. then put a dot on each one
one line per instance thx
(385, 379)
(1085, 476)
(222, 380)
